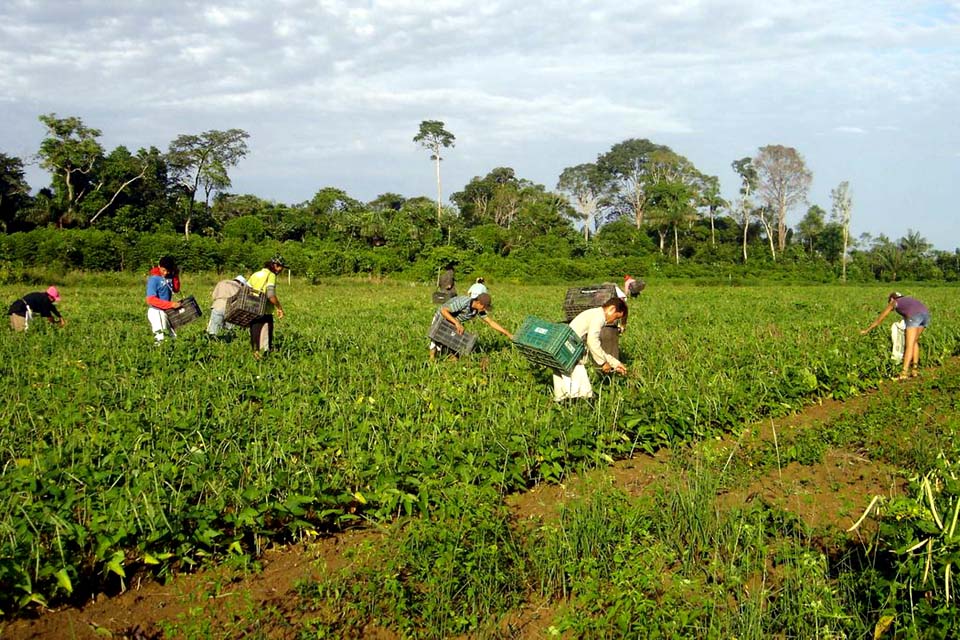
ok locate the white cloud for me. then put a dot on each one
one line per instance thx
(566, 77)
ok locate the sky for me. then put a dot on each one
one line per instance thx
(333, 92)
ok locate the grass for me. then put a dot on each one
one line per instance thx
(120, 458)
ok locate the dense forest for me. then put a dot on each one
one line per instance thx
(639, 207)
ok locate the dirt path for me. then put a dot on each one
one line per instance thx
(832, 493)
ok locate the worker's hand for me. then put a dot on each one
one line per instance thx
(606, 368)
(864, 332)
(622, 370)
(63, 322)
(279, 313)
(459, 327)
(174, 305)
(623, 329)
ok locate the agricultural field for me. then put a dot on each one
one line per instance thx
(125, 462)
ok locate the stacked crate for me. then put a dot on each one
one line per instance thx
(579, 299)
(551, 344)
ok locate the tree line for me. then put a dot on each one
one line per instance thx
(638, 202)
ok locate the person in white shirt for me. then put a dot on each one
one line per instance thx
(477, 288)
(224, 290)
(588, 325)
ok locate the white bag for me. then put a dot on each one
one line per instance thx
(897, 332)
(576, 385)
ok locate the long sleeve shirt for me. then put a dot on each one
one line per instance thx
(160, 290)
(588, 326)
(39, 303)
(224, 290)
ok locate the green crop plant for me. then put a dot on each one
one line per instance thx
(120, 458)
(456, 569)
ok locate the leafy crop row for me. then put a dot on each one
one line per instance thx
(119, 457)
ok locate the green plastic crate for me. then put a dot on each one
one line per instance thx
(550, 344)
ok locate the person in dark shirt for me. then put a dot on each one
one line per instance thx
(38, 303)
(446, 282)
(917, 318)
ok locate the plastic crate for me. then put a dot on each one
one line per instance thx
(439, 297)
(551, 344)
(444, 333)
(245, 306)
(187, 312)
(579, 299)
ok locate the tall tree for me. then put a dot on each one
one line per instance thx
(671, 204)
(69, 152)
(711, 199)
(748, 185)
(784, 181)
(626, 170)
(672, 193)
(914, 244)
(767, 218)
(14, 192)
(886, 259)
(204, 159)
(433, 137)
(119, 171)
(842, 206)
(584, 185)
(495, 198)
(810, 227)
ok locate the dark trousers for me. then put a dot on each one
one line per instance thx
(257, 327)
(610, 340)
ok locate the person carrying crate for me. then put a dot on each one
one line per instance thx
(589, 325)
(446, 282)
(162, 283)
(223, 291)
(462, 309)
(265, 282)
(610, 336)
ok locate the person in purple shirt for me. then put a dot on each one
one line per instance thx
(917, 318)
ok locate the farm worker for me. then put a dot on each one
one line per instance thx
(589, 325)
(610, 335)
(478, 287)
(916, 318)
(462, 309)
(446, 282)
(162, 283)
(632, 286)
(265, 282)
(224, 290)
(38, 303)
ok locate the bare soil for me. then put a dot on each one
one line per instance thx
(831, 494)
